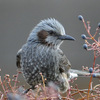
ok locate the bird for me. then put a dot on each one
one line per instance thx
(42, 54)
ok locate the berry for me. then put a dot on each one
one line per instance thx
(90, 69)
(80, 17)
(85, 46)
(83, 36)
(99, 25)
(94, 75)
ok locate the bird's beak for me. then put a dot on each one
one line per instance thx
(66, 37)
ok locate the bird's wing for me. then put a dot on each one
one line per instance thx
(18, 58)
(64, 64)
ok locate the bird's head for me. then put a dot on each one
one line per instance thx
(49, 32)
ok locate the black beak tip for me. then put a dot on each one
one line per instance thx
(73, 39)
(68, 37)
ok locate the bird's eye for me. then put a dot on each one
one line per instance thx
(51, 32)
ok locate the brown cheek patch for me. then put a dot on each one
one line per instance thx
(42, 35)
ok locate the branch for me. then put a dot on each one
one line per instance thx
(81, 73)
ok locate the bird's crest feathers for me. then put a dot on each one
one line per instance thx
(49, 24)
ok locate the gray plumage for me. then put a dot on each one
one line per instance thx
(42, 54)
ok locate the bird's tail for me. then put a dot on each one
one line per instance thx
(81, 73)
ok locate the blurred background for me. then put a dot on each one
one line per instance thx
(18, 18)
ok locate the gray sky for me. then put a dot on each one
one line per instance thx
(18, 18)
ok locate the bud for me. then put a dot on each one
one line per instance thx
(99, 25)
(80, 17)
(90, 69)
(85, 46)
(94, 75)
(83, 36)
